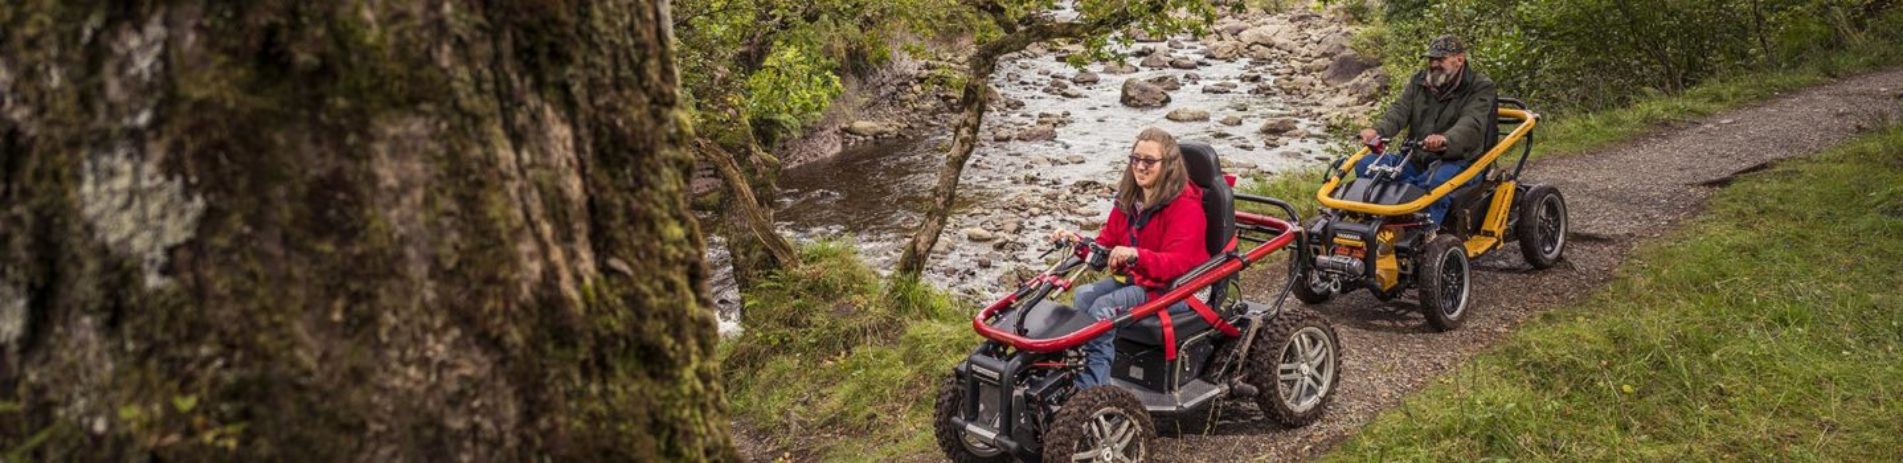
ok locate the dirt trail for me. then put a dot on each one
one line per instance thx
(1619, 197)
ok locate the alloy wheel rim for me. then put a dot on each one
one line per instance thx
(1552, 226)
(1306, 371)
(1111, 436)
(1453, 284)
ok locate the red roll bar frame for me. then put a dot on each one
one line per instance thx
(1286, 233)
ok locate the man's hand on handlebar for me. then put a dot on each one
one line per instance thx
(1436, 143)
(1370, 137)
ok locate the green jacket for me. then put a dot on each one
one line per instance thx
(1462, 114)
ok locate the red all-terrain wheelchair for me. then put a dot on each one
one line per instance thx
(1015, 397)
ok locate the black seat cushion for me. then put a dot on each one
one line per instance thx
(1219, 203)
(1149, 331)
(1373, 191)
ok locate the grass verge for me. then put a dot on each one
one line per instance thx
(1767, 329)
(834, 364)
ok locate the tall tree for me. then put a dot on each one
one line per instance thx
(412, 230)
(1011, 27)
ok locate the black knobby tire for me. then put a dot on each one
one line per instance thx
(1088, 417)
(1541, 226)
(1291, 402)
(951, 439)
(1305, 290)
(1446, 282)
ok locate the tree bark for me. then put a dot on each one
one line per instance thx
(972, 103)
(413, 230)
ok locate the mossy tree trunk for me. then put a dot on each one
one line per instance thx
(406, 230)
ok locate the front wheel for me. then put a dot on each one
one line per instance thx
(1446, 282)
(1296, 364)
(1311, 288)
(959, 446)
(1541, 226)
(1101, 424)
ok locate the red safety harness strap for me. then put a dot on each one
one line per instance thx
(1169, 335)
(1209, 315)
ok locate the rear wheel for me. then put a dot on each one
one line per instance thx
(1541, 226)
(1101, 424)
(1445, 282)
(959, 446)
(1295, 363)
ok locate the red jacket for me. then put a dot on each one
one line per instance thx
(1168, 245)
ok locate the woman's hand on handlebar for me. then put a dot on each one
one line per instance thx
(1065, 237)
(1123, 256)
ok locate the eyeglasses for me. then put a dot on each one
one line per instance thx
(1140, 161)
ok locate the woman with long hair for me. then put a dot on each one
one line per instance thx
(1154, 233)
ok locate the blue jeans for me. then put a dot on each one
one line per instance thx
(1107, 299)
(1413, 174)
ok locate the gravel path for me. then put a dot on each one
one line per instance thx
(1618, 198)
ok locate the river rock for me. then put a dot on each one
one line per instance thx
(1231, 121)
(1085, 78)
(872, 128)
(1167, 83)
(1220, 88)
(1140, 94)
(1316, 66)
(1118, 68)
(1071, 92)
(1226, 51)
(1345, 68)
(1188, 115)
(1262, 52)
(1075, 159)
(1182, 63)
(1038, 133)
(1157, 61)
(979, 234)
(1335, 44)
(1260, 35)
(1278, 126)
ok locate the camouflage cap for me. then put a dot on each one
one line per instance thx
(1443, 46)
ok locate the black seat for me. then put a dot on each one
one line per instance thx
(1149, 331)
(1219, 203)
(1219, 207)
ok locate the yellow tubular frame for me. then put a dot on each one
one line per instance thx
(1527, 121)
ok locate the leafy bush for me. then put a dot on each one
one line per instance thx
(1607, 53)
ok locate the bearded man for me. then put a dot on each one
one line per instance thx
(1448, 108)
